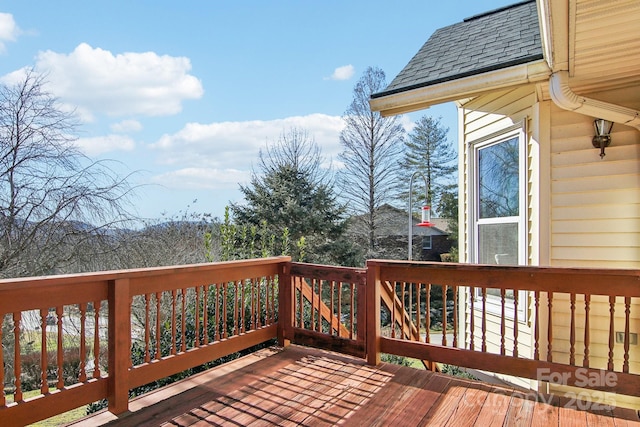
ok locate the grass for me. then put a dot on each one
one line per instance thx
(58, 420)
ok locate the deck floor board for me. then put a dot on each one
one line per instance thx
(311, 387)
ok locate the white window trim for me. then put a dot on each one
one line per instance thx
(493, 302)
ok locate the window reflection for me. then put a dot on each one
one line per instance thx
(498, 179)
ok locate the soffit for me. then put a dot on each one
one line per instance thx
(604, 43)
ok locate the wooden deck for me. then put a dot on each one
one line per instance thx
(305, 386)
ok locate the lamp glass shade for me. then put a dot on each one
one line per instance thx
(602, 127)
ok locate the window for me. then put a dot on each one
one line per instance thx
(426, 242)
(499, 207)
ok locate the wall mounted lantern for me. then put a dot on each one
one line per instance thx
(602, 138)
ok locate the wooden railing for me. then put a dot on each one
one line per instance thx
(81, 338)
(324, 306)
(96, 336)
(570, 327)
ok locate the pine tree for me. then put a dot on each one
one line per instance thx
(295, 196)
(427, 150)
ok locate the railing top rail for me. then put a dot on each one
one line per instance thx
(22, 282)
(327, 272)
(594, 281)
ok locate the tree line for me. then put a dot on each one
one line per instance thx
(63, 212)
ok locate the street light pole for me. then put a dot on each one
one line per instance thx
(426, 198)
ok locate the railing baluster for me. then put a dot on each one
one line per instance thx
(96, 339)
(427, 316)
(502, 321)
(319, 305)
(403, 312)
(612, 310)
(410, 313)
(271, 287)
(225, 290)
(587, 309)
(572, 329)
(393, 309)
(332, 286)
(550, 327)
(484, 320)
(147, 328)
(258, 304)
(445, 288)
(515, 322)
(455, 316)
(174, 326)
(196, 317)
(627, 315)
(339, 306)
(235, 307)
(60, 358)
(44, 359)
(243, 306)
(82, 377)
(216, 330)
(301, 301)
(353, 290)
(254, 284)
(472, 317)
(183, 325)
(205, 314)
(418, 287)
(158, 355)
(536, 325)
(266, 300)
(17, 364)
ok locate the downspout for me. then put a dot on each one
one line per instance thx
(565, 98)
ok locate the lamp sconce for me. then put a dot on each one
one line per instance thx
(602, 138)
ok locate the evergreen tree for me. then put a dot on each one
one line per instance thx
(427, 150)
(294, 196)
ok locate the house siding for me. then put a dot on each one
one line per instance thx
(595, 222)
(592, 218)
(481, 117)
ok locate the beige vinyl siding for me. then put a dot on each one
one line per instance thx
(595, 222)
(482, 117)
(595, 203)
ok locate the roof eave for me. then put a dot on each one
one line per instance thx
(452, 90)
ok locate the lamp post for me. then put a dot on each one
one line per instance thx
(426, 210)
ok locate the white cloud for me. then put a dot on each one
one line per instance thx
(126, 126)
(202, 178)
(227, 151)
(97, 81)
(8, 30)
(343, 73)
(104, 144)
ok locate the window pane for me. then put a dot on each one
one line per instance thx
(498, 243)
(499, 184)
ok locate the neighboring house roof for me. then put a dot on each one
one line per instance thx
(395, 222)
(490, 41)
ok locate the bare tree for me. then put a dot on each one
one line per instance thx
(371, 145)
(52, 197)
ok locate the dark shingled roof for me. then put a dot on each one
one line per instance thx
(490, 41)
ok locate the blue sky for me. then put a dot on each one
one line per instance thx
(188, 92)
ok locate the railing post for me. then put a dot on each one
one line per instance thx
(285, 305)
(373, 314)
(119, 345)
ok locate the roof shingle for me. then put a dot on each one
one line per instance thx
(490, 41)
